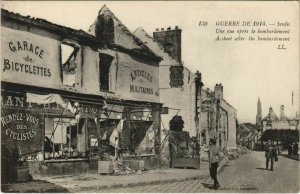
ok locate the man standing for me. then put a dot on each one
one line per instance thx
(295, 148)
(214, 157)
(270, 154)
(117, 147)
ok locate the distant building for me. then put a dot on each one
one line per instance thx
(271, 121)
(282, 130)
(218, 118)
(170, 39)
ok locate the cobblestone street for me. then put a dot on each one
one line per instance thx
(246, 174)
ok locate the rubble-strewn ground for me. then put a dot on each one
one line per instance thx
(97, 182)
(86, 182)
(247, 174)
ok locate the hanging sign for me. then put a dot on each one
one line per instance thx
(176, 76)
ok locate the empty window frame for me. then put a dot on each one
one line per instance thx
(105, 64)
(68, 64)
(63, 140)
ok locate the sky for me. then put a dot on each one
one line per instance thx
(247, 70)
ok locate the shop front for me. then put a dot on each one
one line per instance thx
(69, 102)
(54, 139)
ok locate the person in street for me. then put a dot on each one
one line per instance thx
(290, 148)
(270, 154)
(295, 148)
(117, 148)
(214, 158)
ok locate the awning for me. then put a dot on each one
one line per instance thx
(49, 98)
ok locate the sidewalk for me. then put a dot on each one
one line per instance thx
(294, 157)
(86, 182)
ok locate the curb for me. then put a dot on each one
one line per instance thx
(125, 185)
(120, 185)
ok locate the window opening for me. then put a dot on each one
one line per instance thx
(105, 64)
(68, 64)
(62, 140)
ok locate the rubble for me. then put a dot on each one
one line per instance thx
(243, 150)
(225, 154)
(120, 169)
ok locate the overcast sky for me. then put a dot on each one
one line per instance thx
(247, 70)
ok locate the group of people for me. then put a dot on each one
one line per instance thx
(214, 159)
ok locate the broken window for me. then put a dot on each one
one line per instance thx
(68, 64)
(105, 64)
(63, 140)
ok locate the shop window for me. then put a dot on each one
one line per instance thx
(105, 64)
(133, 133)
(68, 64)
(63, 140)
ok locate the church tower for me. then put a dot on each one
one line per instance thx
(259, 113)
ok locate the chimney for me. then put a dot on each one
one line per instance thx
(282, 112)
(171, 41)
(219, 91)
(270, 110)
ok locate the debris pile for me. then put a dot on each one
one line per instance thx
(121, 169)
(232, 154)
(243, 150)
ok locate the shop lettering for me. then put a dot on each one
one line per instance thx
(10, 118)
(140, 73)
(26, 46)
(13, 101)
(21, 121)
(25, 68)
(88, 109)
(139, 89)
(32, 119)
(20, 136)
(19, 117)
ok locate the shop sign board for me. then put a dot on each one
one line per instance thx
(21, 131)
(27, 57)
(176, 76)
(138, 81)
(11, 100)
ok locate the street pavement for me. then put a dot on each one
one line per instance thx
(92, 181)
(245, 174)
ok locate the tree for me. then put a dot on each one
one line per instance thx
(176, 123)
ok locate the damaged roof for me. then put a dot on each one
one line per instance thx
(85, 37)
(80, 35)
(108, 28)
